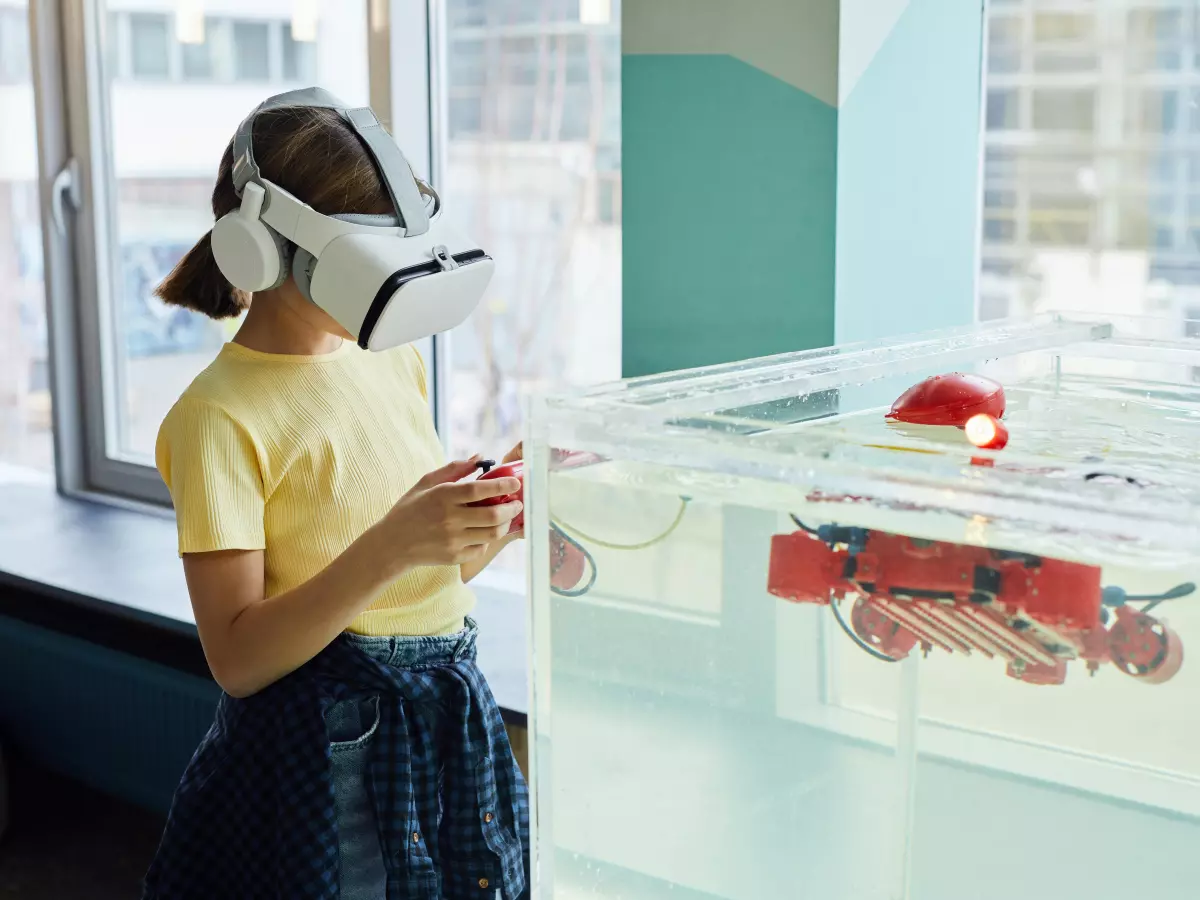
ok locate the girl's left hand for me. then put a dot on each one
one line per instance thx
(515, 453)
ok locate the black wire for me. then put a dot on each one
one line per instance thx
(591, 562)
(804, 527)
(1180, 590)
(837, 614)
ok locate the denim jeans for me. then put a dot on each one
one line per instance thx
(352, 725)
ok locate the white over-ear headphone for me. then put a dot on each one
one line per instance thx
(251, 254)
(386, 279)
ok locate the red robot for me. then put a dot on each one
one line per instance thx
(1036, 614)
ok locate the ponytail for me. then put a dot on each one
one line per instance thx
(196, 283)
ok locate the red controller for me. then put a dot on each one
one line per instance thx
(508, 470)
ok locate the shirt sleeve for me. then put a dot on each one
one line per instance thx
(211, 468)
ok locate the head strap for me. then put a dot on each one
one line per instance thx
(389, 161)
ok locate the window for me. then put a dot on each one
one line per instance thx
(14, 46)
(199, 60)
(1005, 44)
(1003, 109)
(1156, 39)
(1060, 219)
(999, 223)
(251, 51)
(1058, 109)
(530, 161)
(150, 45)
(157, 204)
(299, 58)
(26, 445)
(533, 155)
(1158, 112)
(1064, 42)
(1100, 173)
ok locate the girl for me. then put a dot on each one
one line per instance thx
(357, 751)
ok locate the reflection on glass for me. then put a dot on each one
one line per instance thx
(1091, 120)
(25, 440)
(174, 106)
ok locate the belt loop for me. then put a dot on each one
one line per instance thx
(393, 649)
(464, 642)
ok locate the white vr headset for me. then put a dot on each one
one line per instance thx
(388, 280)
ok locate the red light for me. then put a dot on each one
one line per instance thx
(986, 432)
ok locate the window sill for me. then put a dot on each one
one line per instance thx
(112, 576)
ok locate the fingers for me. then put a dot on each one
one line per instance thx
(497, 516)
(517, 452)
(451, 472)
(489, 535)
(482, 489)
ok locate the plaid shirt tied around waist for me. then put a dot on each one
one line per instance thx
(254, 816)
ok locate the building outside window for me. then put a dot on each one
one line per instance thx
(1098, 182)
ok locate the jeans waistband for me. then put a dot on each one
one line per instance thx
(410, 651)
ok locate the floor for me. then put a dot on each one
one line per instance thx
(66, 842)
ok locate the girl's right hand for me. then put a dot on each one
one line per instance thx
(434, 525)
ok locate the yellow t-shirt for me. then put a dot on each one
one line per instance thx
(297, 456)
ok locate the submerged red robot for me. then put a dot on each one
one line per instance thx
(1035, 613)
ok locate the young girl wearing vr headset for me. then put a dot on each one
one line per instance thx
(357, 751)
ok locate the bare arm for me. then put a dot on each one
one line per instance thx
(252, 641)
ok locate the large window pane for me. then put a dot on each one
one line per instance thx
(533, 162)
(167, 140)
(25, 441)
(1101, 164)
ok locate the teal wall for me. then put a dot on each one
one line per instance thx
(729, 191)
(908, 176)
(760, 218)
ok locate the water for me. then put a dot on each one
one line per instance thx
(697, 736)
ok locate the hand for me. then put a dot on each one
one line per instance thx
(433, 525)
(515, 453)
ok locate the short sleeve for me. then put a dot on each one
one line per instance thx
(210, 466)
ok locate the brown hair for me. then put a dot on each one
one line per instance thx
(309, 152)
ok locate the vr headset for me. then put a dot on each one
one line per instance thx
(388, 280)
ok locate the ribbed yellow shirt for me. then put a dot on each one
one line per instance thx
(297, 456)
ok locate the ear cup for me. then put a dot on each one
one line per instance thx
(252, 256)
(303, 265)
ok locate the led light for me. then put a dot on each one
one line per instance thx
(189, 22)
(986, 432)
(304, 20)
(595, 12)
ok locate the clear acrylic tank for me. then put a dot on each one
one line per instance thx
(732, 701)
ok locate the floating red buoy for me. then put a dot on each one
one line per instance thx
(949, 400)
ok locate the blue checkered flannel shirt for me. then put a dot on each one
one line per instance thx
(253, 817)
